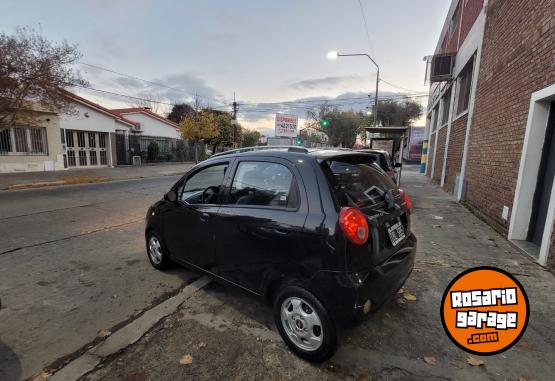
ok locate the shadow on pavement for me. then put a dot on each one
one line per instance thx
(10, 367)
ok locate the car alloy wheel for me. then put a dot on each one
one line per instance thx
(155, 250)
(302, 324)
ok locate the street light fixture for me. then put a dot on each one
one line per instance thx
(334, 54)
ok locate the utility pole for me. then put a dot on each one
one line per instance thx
(234, 121)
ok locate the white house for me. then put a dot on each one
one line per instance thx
(88, 136)
(150, 123)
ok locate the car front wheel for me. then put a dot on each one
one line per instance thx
(156, 251)
(304, 324)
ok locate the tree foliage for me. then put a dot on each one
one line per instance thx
(200, 125)
(179, 111)
(250, 138)
(394, 113)
(344, 126)
(34, 69)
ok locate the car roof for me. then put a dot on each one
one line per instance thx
(287, 152)
(371, 150)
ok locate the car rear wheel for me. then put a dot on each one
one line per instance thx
(156, 251)
(304, 324)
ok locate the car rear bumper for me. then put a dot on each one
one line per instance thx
(351, 296)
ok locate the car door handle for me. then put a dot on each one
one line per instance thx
(204, 217)
(280, 231)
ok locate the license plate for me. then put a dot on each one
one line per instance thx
(396, 233)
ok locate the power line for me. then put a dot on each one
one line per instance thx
(366, 27)
(132, 97)
(137, 78)
(397, 86)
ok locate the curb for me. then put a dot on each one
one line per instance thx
(127, 335)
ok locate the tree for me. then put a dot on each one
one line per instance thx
(35, 70)
(395, 113)
(200, 125)
(250, 138)
(343, 127)
(225, 130)
(179, 111)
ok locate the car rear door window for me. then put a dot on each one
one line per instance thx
(356, 180)
(264, 184)
(210, 177)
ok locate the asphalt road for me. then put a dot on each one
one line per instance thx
(73, 263)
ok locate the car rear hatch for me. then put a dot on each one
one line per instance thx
(355, 181)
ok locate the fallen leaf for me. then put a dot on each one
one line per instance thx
(474, 361)
(201, 344)
(329, 369)
(436, 226)
(104, 333)
(186, 360)
(431, 360)
(409, 296)
(42, 376)
(114, 296)
(401, 290)
(168, 326)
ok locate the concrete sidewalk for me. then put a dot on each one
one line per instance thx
(223, 333)
(22, 180)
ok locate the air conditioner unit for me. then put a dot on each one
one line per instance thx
(442, 67)
(136, 127)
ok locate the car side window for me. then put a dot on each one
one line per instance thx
(264, 184)
(203, 186)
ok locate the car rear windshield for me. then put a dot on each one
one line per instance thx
(356, 180)
(381, 159)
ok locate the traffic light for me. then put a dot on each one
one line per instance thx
(324, 123)
(299, 141)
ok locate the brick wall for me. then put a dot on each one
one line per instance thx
(431, 144)
(469, 15)
(440, 153)
(517, 59)
(455, 152)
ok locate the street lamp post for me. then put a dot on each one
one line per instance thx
(333, 55)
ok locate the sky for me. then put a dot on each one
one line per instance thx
(265, 52)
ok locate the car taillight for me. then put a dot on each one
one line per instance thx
(354, 225)
(406, 199)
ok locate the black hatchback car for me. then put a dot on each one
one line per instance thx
(322, 235)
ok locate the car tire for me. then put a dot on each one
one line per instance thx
(304, 324)
(156, 252)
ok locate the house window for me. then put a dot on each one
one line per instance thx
(92, 140)
(82, 158)
(446, 102)
(81, 139)
(23, 141)
(464, 87)
(69, 139)
(103, 159)
(71, 158)
(5, 141)
(435, 115)
(37, 140)
(102, 140)
(94, 161)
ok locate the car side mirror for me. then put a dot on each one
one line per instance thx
(171, 196)
(398, 165)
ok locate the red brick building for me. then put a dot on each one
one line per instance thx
(491, 117)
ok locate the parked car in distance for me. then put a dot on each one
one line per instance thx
(323, 236)
(383, 159)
